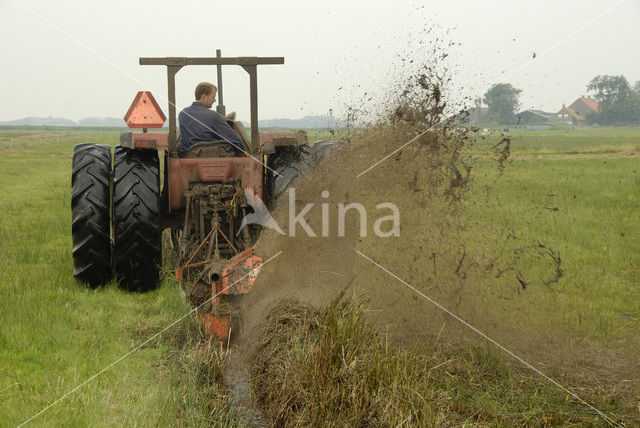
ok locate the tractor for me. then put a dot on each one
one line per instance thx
(122, 203)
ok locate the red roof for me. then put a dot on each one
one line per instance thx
(591, 103)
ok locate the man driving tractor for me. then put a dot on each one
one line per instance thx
(198, 123)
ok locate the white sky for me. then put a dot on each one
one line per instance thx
(88, 65)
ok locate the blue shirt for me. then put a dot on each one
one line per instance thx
(198, 123)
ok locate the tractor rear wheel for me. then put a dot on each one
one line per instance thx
(136, 211)
(285, 168)
(90, 210)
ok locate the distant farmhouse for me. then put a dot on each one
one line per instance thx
(534, 116)
(577, 112)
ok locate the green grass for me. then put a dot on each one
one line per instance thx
(582, 206)
(55, 333)
(571, 141)
(570, 196)
(586, 208)
(327, 367)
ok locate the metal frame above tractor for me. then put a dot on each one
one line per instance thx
(249, 64)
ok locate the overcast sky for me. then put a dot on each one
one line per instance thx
(79, 59)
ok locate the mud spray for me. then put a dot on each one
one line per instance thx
(427, 180)
(439, 250)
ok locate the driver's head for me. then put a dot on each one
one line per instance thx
(206, 94)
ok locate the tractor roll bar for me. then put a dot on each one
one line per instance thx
(220, 108)
(250, 65)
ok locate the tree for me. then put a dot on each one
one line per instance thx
(502, 100)
(619, 103)
(609, 90)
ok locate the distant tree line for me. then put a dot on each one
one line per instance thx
(619, 102)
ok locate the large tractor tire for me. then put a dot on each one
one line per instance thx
(137, 252)
(293, 163)
(90, 210)
(286, 167)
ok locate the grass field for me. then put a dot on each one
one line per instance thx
(577, 191)
(55, 333)
(543, 258)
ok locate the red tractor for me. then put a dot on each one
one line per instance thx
(120, 208)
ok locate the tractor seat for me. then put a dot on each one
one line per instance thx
(208, 149)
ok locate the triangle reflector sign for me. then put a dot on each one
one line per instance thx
(144, 112)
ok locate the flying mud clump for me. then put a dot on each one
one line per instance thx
(422, 134)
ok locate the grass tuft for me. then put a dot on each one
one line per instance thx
(327, 367)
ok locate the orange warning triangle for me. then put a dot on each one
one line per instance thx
(144, 112)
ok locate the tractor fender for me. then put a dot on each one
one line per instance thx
(182, 172)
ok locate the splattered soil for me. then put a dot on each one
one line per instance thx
(412, 152)
(436, 251)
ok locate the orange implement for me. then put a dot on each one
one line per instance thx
(240, 273)
(217, 327)
(237, 277)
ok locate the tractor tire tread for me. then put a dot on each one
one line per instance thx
(91, 222)
(136, 211)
